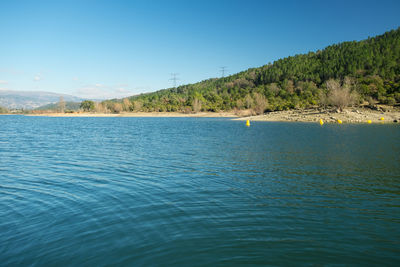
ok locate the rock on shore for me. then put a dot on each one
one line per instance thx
(348, 115)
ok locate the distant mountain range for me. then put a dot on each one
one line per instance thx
(32, 99)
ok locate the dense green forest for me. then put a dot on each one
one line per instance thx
(361, 72)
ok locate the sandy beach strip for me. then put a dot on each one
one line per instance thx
(141, 114)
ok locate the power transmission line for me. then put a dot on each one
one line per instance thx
(174, 78)
(223, 69)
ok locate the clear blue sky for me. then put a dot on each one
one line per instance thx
(104, 49)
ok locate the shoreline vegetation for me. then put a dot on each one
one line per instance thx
(389, 114)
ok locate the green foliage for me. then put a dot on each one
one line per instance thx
(87, 105)
(70, 106)
(294, 82)
(3, 110)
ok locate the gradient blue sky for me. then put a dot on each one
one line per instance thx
(105, 49)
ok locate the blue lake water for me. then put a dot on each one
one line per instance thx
(197, 192)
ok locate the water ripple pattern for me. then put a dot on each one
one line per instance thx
(197, 192)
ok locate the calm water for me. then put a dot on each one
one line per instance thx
(183, 191)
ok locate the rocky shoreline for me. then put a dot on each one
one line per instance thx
(348, 115)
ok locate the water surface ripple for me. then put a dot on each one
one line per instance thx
(184, 191)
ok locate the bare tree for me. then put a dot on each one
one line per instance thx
(100, 108)
(248, 101)
(341, 96)
(274, 88)
(239, 104)
(260, 103)
(61, 104)
(137, 105)
(289, 86)
(323, 99)
(196, 105)
(117, 107)
(126, 104)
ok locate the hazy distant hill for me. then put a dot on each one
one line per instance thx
(31, 99)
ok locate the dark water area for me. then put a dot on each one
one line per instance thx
(197, 192)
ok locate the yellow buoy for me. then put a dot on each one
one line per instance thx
(369, 121)
(321, 122)
(339, 121)
(382, 118)
(248, 123)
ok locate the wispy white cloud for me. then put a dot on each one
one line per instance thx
(37, 78)
(3, 82)
(75, 78)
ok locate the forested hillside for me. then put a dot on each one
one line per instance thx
(365, 71)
